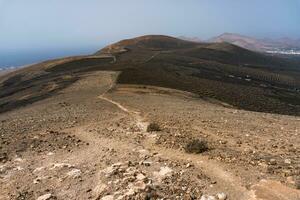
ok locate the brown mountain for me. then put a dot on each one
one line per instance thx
(284, 42)
(242, 41)
(220, 71)
(260, 45)
(152, 117)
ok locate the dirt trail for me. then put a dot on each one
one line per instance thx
(211, 169)
(140, 122)
(214, 170)
(114, 130)
(152, 57)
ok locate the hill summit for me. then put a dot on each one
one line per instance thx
(151, 42)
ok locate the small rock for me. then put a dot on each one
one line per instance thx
(287, 161)
(109, 170)
(44, 197)
(188, 165)
(140, 177)
(61, 165)
(130, 192)
(74, 173)
(221, 196)
(18, 159)
(38, 169)
(100, 188)
(207, 197)
(164, 171)
(108, 197)
(273, 161)
(121, 197)
(119, 164)
(139, 185)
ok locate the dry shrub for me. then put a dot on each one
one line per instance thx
(297, 183)
(196, 146)
(153, 127)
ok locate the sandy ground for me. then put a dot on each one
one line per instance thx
(91, 142)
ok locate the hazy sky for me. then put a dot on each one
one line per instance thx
(52, 24)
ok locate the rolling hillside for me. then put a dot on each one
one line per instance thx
(152, 117)
(216, 71)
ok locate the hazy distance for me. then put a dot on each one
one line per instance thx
(33, 30)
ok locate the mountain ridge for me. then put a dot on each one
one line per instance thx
(254, 44)
(220, 71)
(136, 113)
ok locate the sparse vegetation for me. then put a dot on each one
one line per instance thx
(297, 183)
(3, 157)
(196, 146)
(153, 127)
(202, 68)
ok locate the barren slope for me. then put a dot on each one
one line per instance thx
(76, 128)
(89, 142)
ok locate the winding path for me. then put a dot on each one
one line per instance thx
(264, 190)
(210, 168)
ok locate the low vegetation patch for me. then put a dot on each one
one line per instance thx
(297, 183)
(153, 127)
(196, 146)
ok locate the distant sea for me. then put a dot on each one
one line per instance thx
(12, 60)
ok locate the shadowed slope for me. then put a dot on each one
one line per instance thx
(222, 71)
(40, 81)
(225, 72)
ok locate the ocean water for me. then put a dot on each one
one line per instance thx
(12, 60)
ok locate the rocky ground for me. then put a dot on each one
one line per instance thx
(98, 140)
